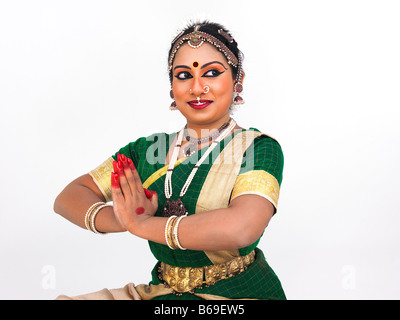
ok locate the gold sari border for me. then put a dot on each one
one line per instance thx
(159, 173)
(219, 183)
(257, 182)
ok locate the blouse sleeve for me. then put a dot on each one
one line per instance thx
(261, 170)
(102, 174)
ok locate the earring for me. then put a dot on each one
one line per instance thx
(238, 88)
(173, 105)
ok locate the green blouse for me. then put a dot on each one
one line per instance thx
(260, 173)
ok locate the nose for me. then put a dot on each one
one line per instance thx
(197, 87)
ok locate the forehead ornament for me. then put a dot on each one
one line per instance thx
(195, 39)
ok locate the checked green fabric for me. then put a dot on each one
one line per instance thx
(148, 154)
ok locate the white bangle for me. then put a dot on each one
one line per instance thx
(175, 233)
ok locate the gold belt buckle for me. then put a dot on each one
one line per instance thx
(186, 279)
(215, 273)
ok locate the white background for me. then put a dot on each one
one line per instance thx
(80, 79)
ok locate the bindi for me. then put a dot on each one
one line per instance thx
(195, 64)
(140, 210)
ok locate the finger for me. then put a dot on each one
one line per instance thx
(128, 171)
(130, 168)
(148, 193)
(118, 199)
(116, 191)
(124, 185)
(131, 165)
(154, 200)
(136, 176)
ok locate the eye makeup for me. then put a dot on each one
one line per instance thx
(215, 68)
(183, 75)
(212, 73)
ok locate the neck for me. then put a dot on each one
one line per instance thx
(196, 130)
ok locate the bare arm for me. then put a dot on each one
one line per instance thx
(76, 198)
(237, 226)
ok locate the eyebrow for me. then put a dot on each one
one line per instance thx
(182, 66)
(212, 62)
(203, 66)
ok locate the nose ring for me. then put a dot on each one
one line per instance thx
(206, 90)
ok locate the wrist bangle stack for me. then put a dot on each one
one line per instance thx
(91, 215)
(168, 232)
(175, 232)
(171, 232)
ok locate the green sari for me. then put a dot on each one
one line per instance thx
(246, 162)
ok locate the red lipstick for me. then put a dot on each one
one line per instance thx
(201, 104)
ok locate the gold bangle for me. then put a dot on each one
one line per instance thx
(168, 232)
(89, 213)
(93, 216)
(171, 233)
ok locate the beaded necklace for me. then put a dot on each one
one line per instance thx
(191, 148)
(176, 207)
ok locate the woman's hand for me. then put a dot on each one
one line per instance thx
(132, 203)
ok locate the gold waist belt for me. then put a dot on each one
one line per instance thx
(186, 279)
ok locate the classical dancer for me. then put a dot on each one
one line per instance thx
(201, 196)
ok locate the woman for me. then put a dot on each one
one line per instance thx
(202, 197)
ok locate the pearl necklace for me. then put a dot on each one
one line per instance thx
(176, 207)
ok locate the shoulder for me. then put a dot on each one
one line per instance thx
(264, 143)
(262, 168)
(264, 153)
(262, 137)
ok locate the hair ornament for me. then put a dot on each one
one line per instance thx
(226, 35)
(177, 36)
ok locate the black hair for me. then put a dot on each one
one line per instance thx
(212, 29)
